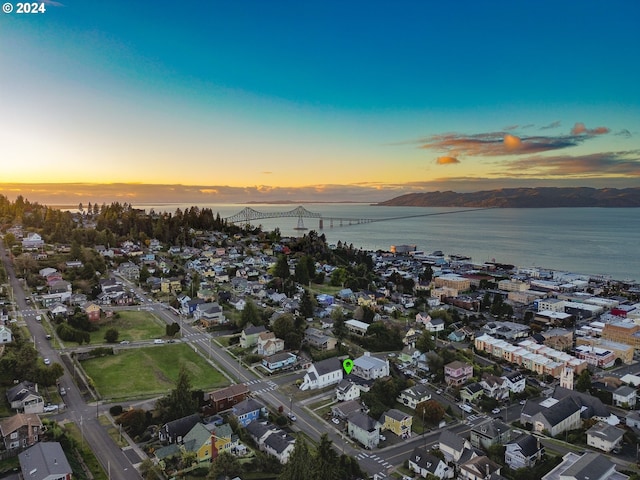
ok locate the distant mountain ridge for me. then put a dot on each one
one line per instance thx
(538, 197)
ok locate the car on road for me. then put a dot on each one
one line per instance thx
(38, 318)
(125, 342)
(522, 402)
(495, 411)
(292, 417)
(383, 438)
(63, 392)
(439, 391)
(47, 361)
(466, 407)
(335, 420)
(158, 341)
(173, 340)
(50, 408)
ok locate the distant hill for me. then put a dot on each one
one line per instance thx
(541, 197)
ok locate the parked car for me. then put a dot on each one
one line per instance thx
(522, 402)
(335, 420)
(63, 392)
(47, 361)
(158, 341)
(495, 411)
(466, 407)
(124, 342)
(292, 417)
(50, 408)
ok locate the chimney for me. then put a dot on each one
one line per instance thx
(486, 465)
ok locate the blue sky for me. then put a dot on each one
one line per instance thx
(317, 100)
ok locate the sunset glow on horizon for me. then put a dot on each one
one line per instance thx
(316, 100)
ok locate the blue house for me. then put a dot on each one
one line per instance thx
(248, 410)
(279, 361)
(325, 300)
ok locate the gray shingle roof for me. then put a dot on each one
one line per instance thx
(365, 422)
(590, 465)
(44, 459)
(328, 365)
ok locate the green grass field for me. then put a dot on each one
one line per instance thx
(133, 325)
(149, 371)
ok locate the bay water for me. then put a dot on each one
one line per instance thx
(594, 241)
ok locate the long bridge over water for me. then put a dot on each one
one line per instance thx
(248, 215)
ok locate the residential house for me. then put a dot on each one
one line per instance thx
(458, 335)
(279, 361)
(130, 271)
(633, 419)
(412, 396)
(209, 314)
(471, 392)
(398, 422)
(364, 429)
(424, 463)
(370, 368)
(553, 415)
(21, 430)
(604, 437)
(249, 336)
(452, 446)
(58, 310)
(624, 396)
(199, 441)
(174, 431)
(479, 468)
(5, 334)
(323, 374)
(457, 373)
(344, 409)
(515, 382)
(356, 327)
(268, 344)
(590, 406)
(25, 397)
(523, 452)
(423, 318)
(588, 465)
(280, 445)
(33, 241)
(490, 432)
(93, 311)
(223, 437)
(45, 461)
(317, 339)
(225, 398)
(248, 410)
(409, 354)
(347, 390)
(494, 387)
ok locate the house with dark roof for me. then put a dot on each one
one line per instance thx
(364, 429)
(370, 367)
(248, 410)
(174, 431)
(279, 361)
(452, 445)
(323, 374)
(397, 422)
(457, 373)
(471, 392)
(347, 390)
(604, 437)
(412, 396)
(25, 397)
(21, 430)
(344, 409)
(424, 463)
(225, 398)
(45, 461)
(552, 415)
(490, 432)
(625, 396)
(523, 452)
(280, 445)
(479, 468)
(249, 336)
(515, 382)
(586, 466)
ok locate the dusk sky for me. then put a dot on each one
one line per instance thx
(236, 101)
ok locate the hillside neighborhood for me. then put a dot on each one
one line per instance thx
(460, 369)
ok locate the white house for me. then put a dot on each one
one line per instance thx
(323, 374)
(423, 463)
(347, 390)
(604, 437)
(624, 396)
(412, 396)
(5, 334)
(515, 382)
(370, 368)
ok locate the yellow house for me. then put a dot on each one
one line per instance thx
(398, 422)
(198, 441)
(223, 436)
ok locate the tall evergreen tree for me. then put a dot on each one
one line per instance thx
(299, 465)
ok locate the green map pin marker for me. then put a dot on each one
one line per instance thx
(347, 364)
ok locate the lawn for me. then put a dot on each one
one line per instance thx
(132, 325)
(134, 373)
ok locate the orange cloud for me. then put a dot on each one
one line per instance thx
(579, 128)
(446, 160)
(512, 142)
